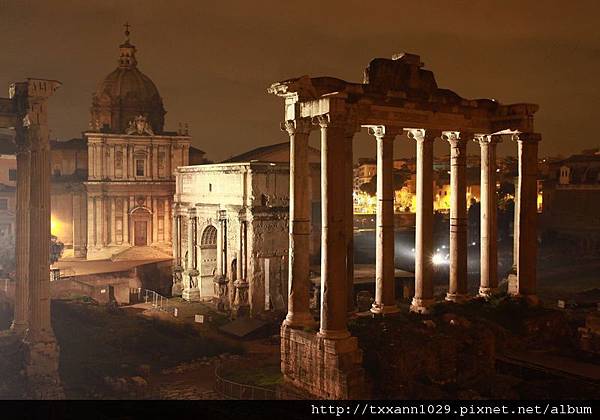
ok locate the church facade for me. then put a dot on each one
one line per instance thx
(112, 190)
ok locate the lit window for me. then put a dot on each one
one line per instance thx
(139, 167)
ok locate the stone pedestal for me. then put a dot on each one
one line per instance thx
(191, 295)
(325, 368)
(177, 288)
(221, 299)
(241, 306)
(41, 368)
(190, 291)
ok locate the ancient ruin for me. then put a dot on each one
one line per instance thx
(397, 96)
(230, 230)
(26, 111)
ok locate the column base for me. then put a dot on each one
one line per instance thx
(19, 328)
(457, 297)
(300, 320)
(421, 306)
(321, 367)
(381, 309)
(487, 292)
(41, 368)
(333, 334)
(191, 295)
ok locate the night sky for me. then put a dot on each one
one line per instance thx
(212, 61)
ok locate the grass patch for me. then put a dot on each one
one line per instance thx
(97, 342)
(263, 376)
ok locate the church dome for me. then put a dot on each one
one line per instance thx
(123, 95)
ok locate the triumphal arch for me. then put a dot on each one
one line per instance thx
(397, 96)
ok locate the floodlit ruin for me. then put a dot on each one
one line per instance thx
(397, 96)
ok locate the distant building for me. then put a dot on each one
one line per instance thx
(571, 196)
(8, 178)
(112, 189)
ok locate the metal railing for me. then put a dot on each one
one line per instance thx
(157, 300)
(231, 390)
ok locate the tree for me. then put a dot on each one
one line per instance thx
(400, 177)
(56, 249)
(7, 254)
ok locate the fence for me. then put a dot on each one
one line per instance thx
(157, 301)
(235, 391)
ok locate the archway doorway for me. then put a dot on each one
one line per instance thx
(208, 260)
(141, 225)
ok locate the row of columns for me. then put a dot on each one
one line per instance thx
(336, 250)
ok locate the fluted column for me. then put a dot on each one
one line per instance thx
(334, 286)
(385, 296)
(113, 221)
(423, 298)
(154, 220)
(21, 316)
(167, 221)
(125, 226)
(299, 240)
(191, 291)
(176, 237)
(526, 230)
(457, 288)
(488, 220)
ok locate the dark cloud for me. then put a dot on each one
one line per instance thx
(212, 61)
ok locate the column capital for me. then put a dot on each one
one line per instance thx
(527, 137)
(300, 126)
(326, 121)
(487, 138)
(421, 134)
(382, 131)
(457, 138)
(192, 212)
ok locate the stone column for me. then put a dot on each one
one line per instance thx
(126, 221)
(167, 221)
(334, 286)
(299, 241)
(488, 221)
(177, 263)
(154, 220)
(385, 296)
(113, 221)
(79, 224)
(457, 288)
(103, 221)
(191, 291)
(526, 229)
(241, 306)
(349, 213)
(22, 238)
(423, 298)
